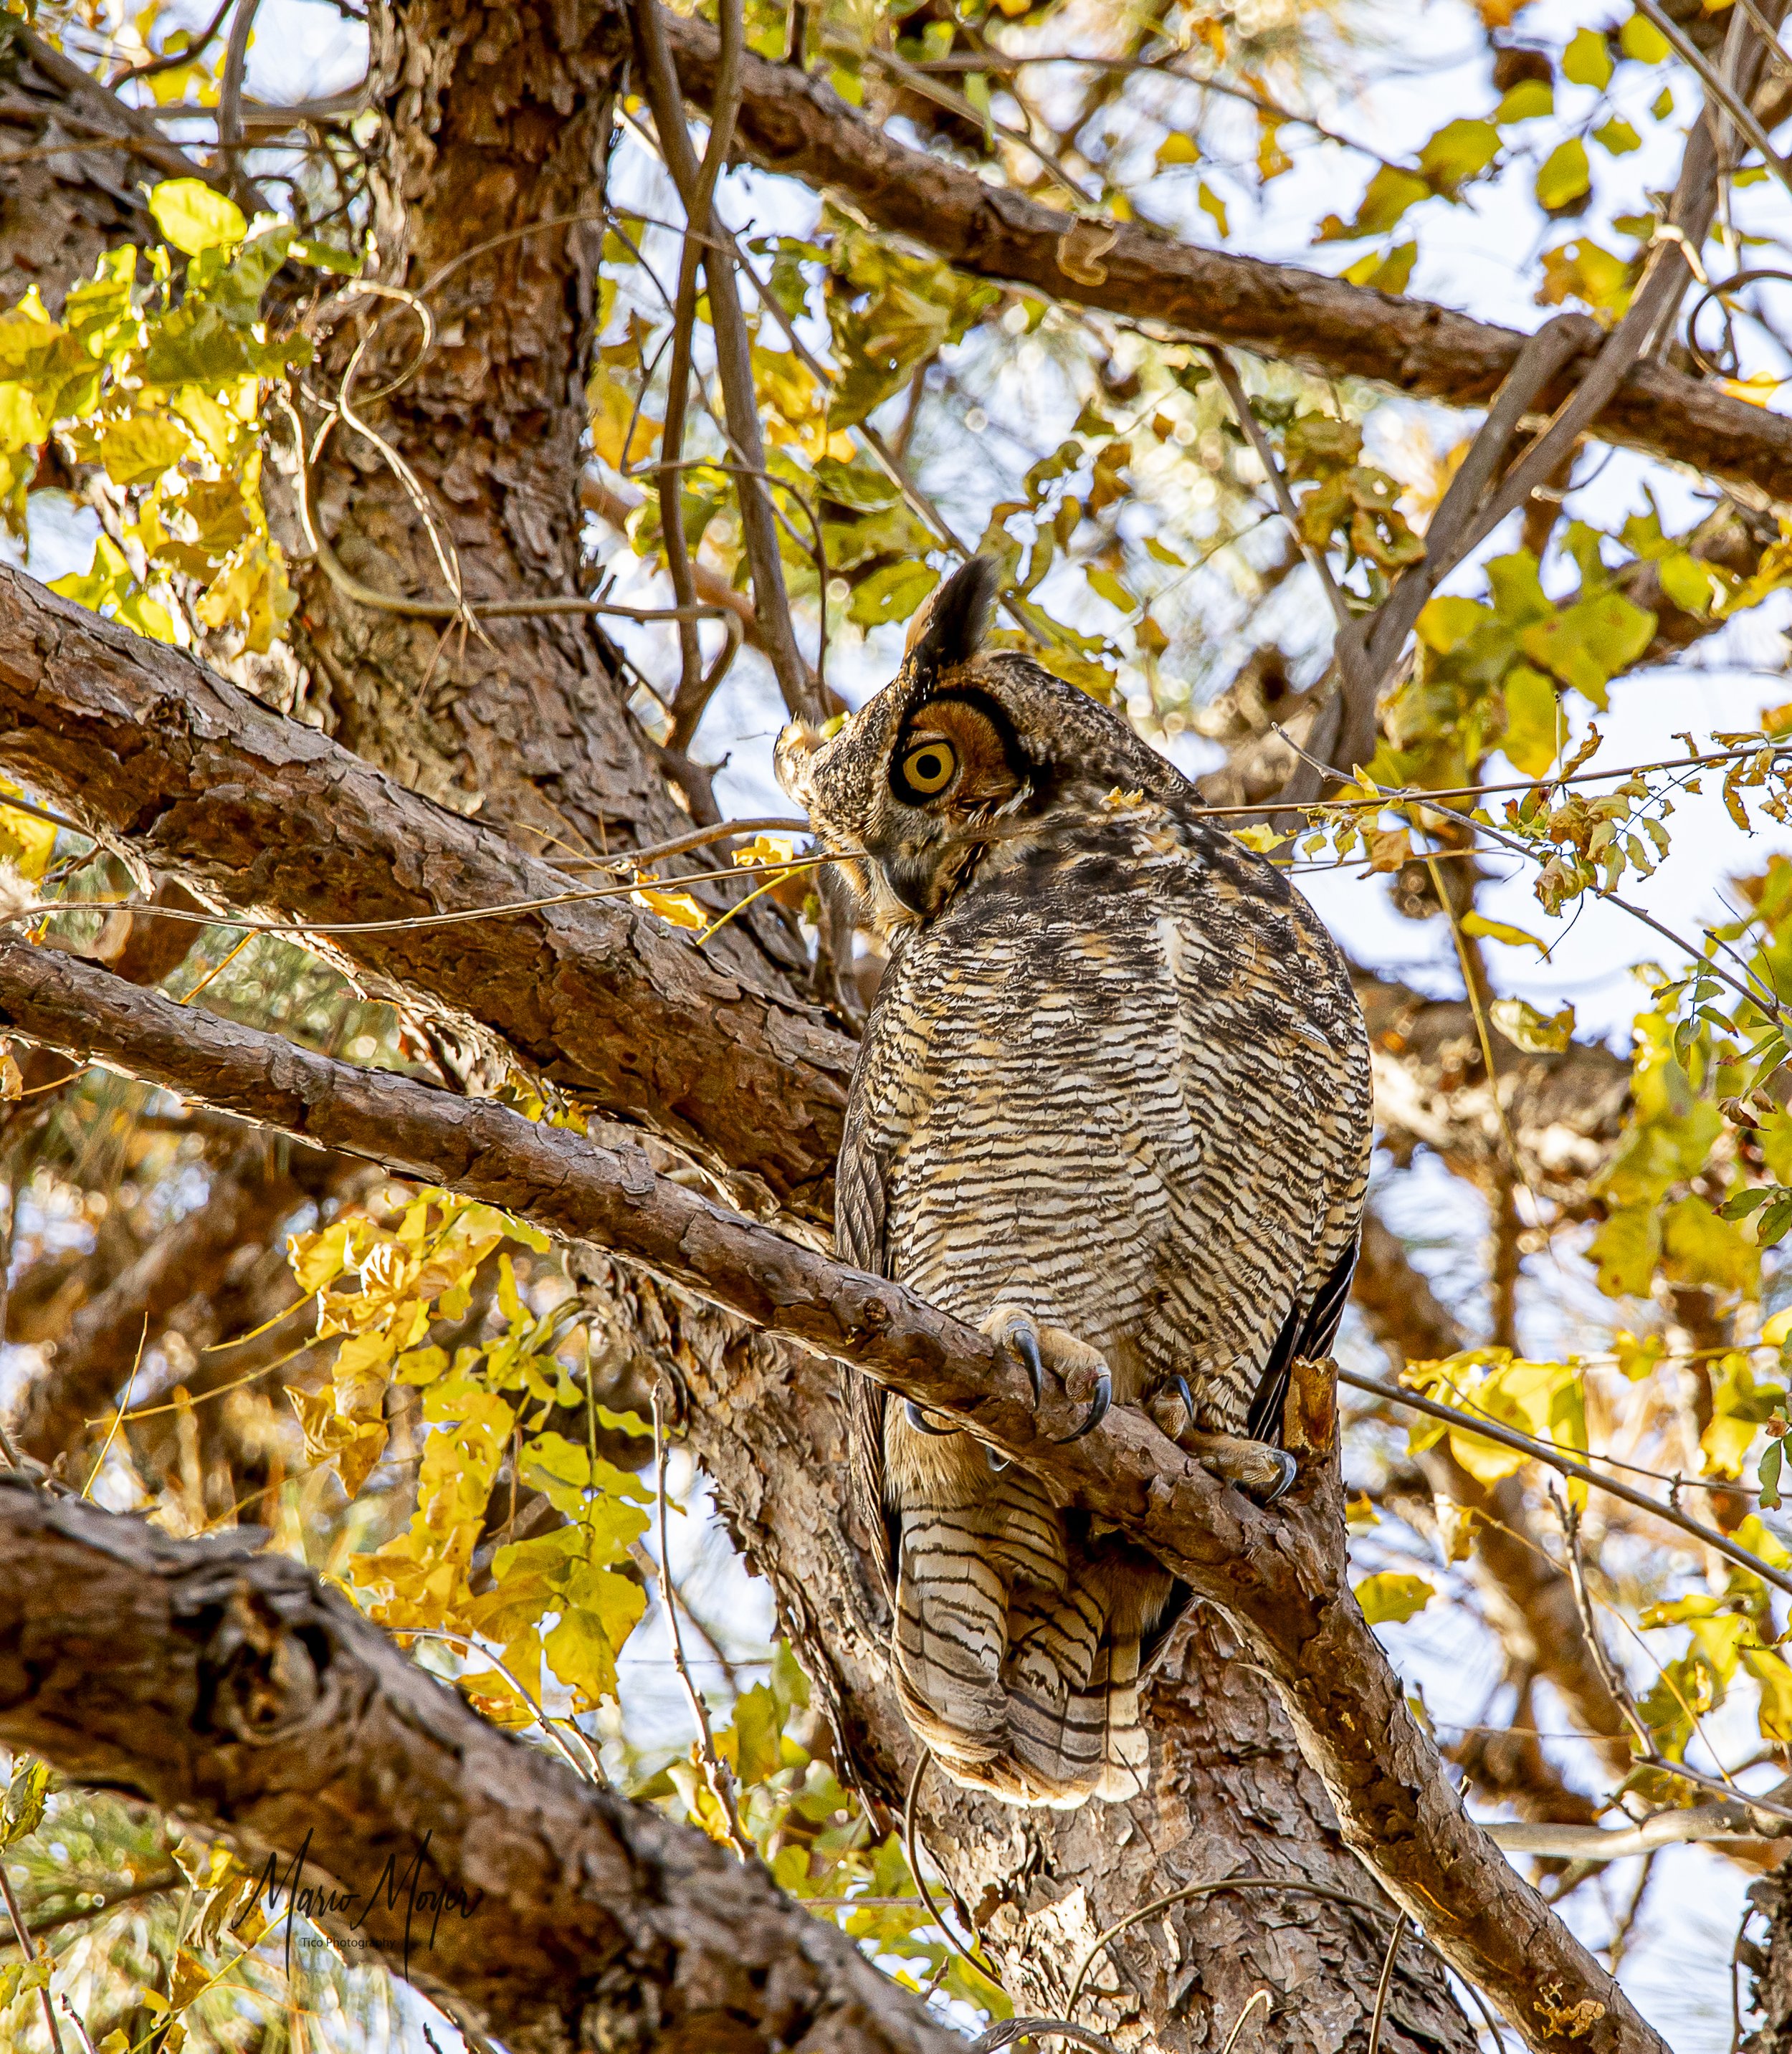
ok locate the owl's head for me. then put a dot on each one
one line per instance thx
(959, 751)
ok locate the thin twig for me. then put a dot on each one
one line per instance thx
(1381, 1988)
(917, 80)
(170, 60)
(910, 1847)
(801, 691)
(1544, 1451)
(715, 1770)
(1719, 87)
(230, 91)
(23, 1932)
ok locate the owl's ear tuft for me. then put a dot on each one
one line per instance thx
(950, 626)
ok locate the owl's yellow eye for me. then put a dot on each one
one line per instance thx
(929, 767)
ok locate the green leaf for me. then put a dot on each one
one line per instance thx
(1617, 136)
(1457, 153)
(1769, 1473)
(1388, 1598)
(194, 218)
(1389, 194)
(321, 256)
(1533, 726)
(22, 1812)
(1586, 645)
(1639, 39)
(1565, 175)
(892, 593)
(1587, 61)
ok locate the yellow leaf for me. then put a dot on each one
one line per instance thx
(1214, 208)
(1178, 148)
(194, 218)
(1587, 61)
(1259, 838)
(613, 412)
(25, 842)
(1497, 931)
(1626, 1248)
(1639, 39)
(1770, 1672)
(678, 908)
(1534, 723)
(1564, 176)
(1389, 1599)
(1537, 1033)
(22, 425)
(138, 450)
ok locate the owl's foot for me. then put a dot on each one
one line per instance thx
(1259, 1470)
(1262, 1471)
(1081, 1367)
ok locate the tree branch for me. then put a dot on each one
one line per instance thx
(792, 124)
(1280, 1575)
(230, 1689)
(179, 770)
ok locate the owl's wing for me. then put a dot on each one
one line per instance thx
(1307, 1333)
(859, 1239)
(1300, 1001)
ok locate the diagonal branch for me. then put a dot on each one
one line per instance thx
(182, 772)
(230, 1689)
(1280, 1575)
(792, 124)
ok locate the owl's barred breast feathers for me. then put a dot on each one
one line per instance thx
(1112, 1103)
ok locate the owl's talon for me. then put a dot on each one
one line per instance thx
(1025, 1343)
(917, 1418)
(998, 1463)
(1097, 1411)
(1290, 1469)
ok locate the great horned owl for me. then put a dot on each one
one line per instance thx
(1112, 1106)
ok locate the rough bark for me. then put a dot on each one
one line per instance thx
(796, 124)
(184, 772)
(497, 122)
(231, 1689)
(1280, 1576)
(67, 195)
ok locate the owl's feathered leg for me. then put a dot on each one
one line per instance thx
(1266, 1472)
(1034, 1346)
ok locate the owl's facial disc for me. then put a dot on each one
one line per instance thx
(955, 767)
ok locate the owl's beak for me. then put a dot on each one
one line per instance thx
(794, 760)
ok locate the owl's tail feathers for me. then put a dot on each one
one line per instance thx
(1072, 1686)
(951, 1631)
